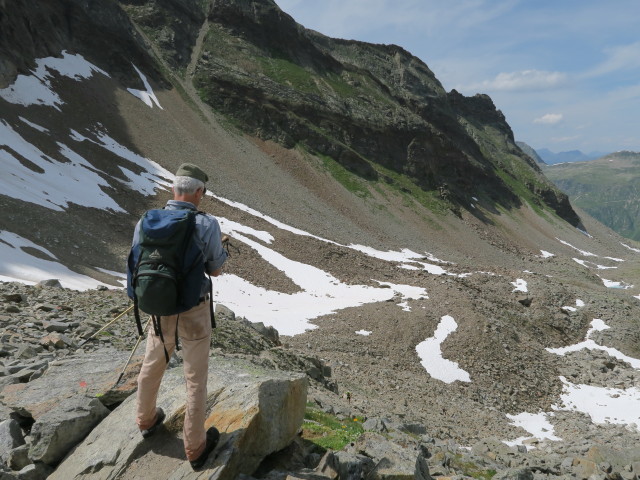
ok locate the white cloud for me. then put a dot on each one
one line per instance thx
(623, 57)
(524, 80)
(549, 119)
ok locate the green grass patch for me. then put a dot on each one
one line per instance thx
(470, 469)
(328, 432)
(288, 73)
(348, 180)
(405, 186)
(399, 184)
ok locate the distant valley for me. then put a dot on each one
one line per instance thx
(606, 188)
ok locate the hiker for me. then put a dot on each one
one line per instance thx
(193, 327)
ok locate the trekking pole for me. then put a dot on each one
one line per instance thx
(135, 347)
(226, 244)
(107, 325)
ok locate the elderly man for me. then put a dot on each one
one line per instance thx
(193, 327)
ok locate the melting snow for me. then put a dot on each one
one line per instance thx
(33, 125)
(147, 96)
(320, 294)
(35, 89)
(521, 286)
(579, 304)
(597, 325)
(405, 306)
(630, 248)
(582, 252)
(614, 284)
(603, 405)
(537, 424)
(431, 355)
(152, 176)
(19, 266)
(56, 184)
(586, 264)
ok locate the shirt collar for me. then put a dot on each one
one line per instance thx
(181, 204)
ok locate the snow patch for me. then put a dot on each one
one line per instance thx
(36, 89)
(537, 424)
(521, 286)
(614, 284)
(431, 355)
(582, 252)
(19, 266)
(320, 294)
(56, 184)
(597, 325)
(603, 405)
(630, 248)
(147, 96)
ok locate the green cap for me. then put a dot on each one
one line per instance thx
(193, 171)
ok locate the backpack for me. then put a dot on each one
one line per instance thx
(166, 266)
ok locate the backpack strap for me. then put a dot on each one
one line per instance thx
(177, 339)
(136, 310)
(158, 331)
(136, 314)
(213, 315)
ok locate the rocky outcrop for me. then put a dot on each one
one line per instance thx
(257, 412)
(55, 395)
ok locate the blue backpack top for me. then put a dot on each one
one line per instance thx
(166, 267)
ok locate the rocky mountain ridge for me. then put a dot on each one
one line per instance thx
(375, 109)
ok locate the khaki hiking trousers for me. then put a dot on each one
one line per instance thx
(194, 332)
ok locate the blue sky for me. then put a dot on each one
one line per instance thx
(565, 73)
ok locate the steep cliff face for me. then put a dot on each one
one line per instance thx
(373, 108)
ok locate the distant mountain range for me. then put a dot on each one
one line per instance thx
(546, 156)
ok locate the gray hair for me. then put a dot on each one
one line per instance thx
(186, 185)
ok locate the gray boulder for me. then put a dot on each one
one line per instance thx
(514, 474)
(34, 471)
(345, 466)
(52, 282)
(64, 426)
(392, 459)
(19, 457)
(10, 438)
(258, 412)
(91, 374)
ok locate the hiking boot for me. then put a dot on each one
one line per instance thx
(212, 440)
(152, 429)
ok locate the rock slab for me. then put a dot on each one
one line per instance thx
(257, 411)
